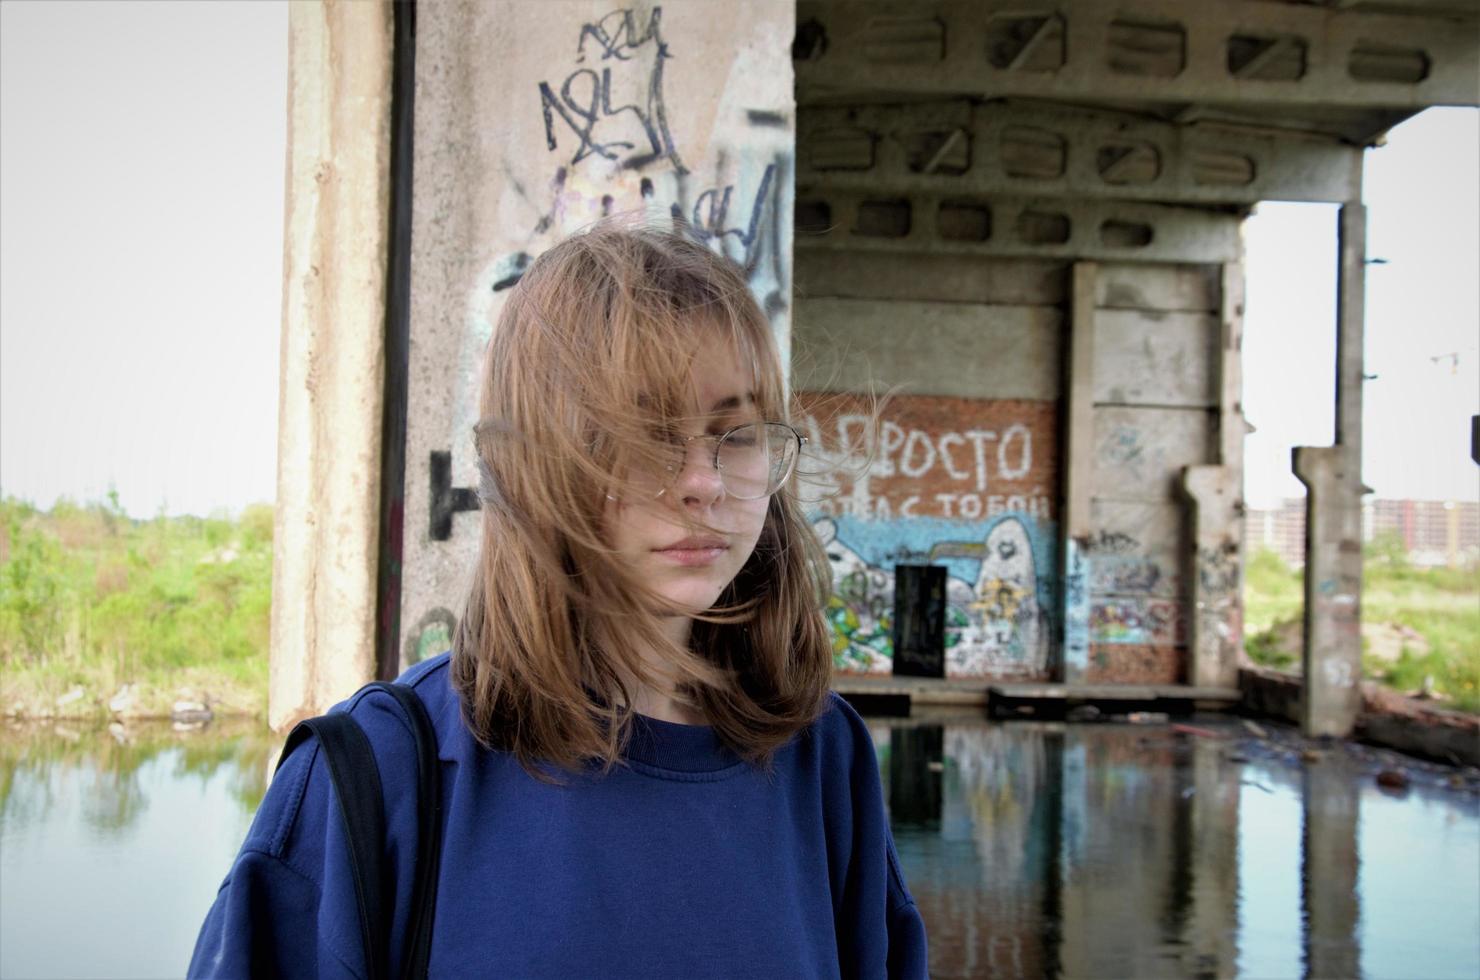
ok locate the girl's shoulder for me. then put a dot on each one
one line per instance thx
(840, 729)
(296, 806)
(386, 725)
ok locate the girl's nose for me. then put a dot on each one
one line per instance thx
(699, 481)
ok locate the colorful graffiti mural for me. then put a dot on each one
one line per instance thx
(958, 482)
(1137, 620)
(998, 589)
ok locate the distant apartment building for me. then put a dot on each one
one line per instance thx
(1433, 532)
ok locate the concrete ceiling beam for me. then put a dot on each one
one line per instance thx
(954, 146)
(1257, 60)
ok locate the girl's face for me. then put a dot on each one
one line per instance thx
(686, 567)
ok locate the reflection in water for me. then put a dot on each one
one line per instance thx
(39, 757)
(1032, 849)
(1128, 851)
(113, 842)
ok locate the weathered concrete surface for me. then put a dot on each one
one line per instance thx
(1076, 522)
(1156, 357)
(991, 148)
(862, 344)
(1340, 72)
(1333, 524)
(533, 120)
(1416, 727)
(331, 383)
(941, 278)
(1216, 493)
(1216, 633)
(1141, 450)
(833, 217)
(1165, 378)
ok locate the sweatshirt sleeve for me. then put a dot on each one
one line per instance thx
(907, 958)
(273, 915)
(880, 932)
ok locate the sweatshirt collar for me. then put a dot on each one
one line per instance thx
(680, 748)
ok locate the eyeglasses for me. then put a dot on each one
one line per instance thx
(753, 460)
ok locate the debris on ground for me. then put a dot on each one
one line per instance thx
(1195, 730)
(1393, 779)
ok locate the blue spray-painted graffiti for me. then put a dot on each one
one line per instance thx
(998, 593)
(1076, 607)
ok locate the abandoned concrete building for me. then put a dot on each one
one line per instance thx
(1023, 219)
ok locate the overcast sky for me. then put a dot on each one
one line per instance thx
(141, 180)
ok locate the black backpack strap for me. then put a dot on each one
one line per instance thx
(357, 787)
(356, 779)
(429, 822)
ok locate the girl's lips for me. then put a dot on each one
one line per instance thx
(693, 551)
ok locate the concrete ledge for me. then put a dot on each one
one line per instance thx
(916, 690)
(886, 691)
(1068, 700)
(1419, 728)
(1270, 692)
(1115, 692)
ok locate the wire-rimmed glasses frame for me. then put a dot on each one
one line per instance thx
(753, 459)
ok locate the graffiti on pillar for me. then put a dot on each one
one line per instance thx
(754, 241)
(1137, 620)
(952, 481)
(608, 120)
(431, 635)
(632, 135)
(1218, 569)
(1076, 606)
(740, 217)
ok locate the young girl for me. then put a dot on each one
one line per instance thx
(643, 771)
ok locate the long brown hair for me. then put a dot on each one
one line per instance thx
(593, 349)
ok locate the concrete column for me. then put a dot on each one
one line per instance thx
(1328, 877)
(1076, 524)
(331, 371)
(1216, 495)
(1333, 521)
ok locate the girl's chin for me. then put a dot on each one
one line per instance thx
(691, 602)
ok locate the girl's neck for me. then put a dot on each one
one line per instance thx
(660, 703)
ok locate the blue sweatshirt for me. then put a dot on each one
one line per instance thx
(684, 862)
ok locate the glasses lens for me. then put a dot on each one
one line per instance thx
(755, 459)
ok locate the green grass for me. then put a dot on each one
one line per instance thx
(90, 598)
(1431, 616)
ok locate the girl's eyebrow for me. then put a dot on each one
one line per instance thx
(734, 401)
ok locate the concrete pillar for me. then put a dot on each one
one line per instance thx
(1331, 907)
(1076, 523)
(1216, 495)
(331, 370)
(1333, 522)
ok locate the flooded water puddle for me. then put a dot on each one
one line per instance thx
(113, 844)
(1033, 849)
(1148, 851)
